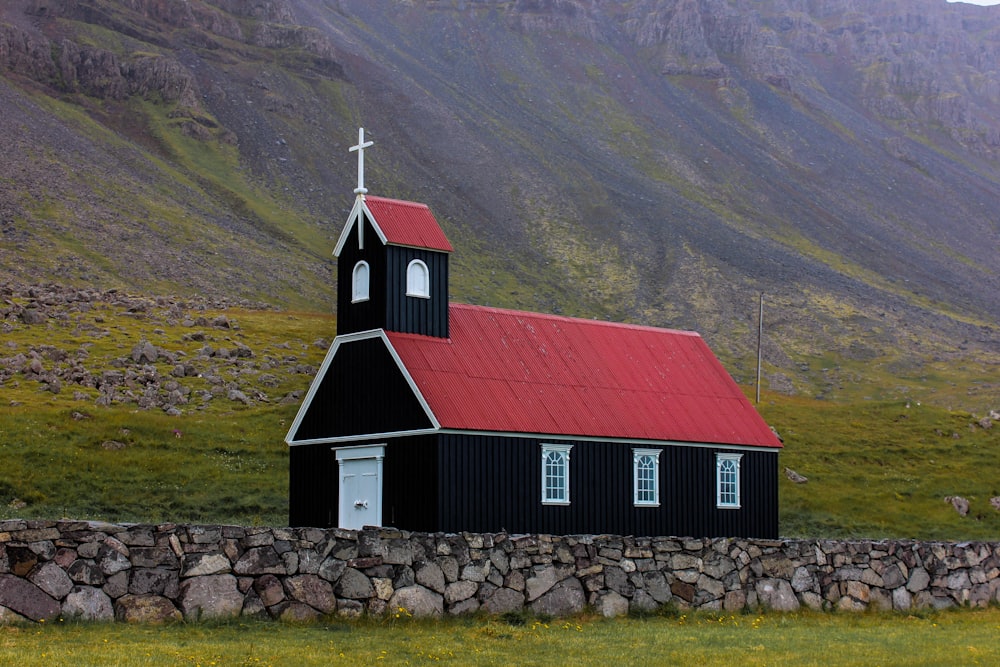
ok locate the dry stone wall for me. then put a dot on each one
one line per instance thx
(147, 573)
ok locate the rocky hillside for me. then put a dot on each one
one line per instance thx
(661, 161)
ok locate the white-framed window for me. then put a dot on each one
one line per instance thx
(418, 279)
(360, 282)
(555, 474)
(727, 480)
(646, 477)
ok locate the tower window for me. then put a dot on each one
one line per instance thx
(418, 281)
(359, 291)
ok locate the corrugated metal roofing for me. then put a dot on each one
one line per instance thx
(513, 371)
(407, 223)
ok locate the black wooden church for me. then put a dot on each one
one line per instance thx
(433, 416)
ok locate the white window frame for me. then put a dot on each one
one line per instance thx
(361, 291)
(638, 456)
(561, 454)
(728, 499)
(413, 289)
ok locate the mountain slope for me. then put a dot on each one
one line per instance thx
(657, 161)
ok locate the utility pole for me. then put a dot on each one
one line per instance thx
(760, 336)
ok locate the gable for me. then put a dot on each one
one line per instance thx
(359, 390)
(515, 372)
(396, 222)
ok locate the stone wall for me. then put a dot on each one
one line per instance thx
(145, 573)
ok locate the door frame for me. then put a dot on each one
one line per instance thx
(358, 452)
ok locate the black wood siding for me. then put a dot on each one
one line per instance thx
(387, 306)
(408, 314)
(494, 483)
(474, 483)
(362, 392)
(364, 315)
(409, 484)
(312, 486)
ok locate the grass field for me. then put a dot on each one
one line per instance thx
(962, 637)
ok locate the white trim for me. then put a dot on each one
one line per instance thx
(625, 441)
(638, 453)
(321, 374)
(364, 436)
(360, 452)
(721, 457)
(426, 293)
(553, 448)
(538, 436)
(360, 208)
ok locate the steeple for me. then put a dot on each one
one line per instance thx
(392, 265)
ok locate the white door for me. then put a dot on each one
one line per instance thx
(360, 486)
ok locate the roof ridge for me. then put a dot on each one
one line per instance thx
(569, 318)
(403, 202)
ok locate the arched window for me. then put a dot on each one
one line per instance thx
(418, 280)
(727, 480)
(359, 290)
(555, 474)
(646, 469)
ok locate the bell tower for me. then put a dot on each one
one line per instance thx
(392, 265)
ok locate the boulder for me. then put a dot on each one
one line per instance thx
(146, 609)
(85, 572)
(504, 600)
(776, 594)
(153, 581)
(199, 565)
(354, 585)
(213, 596)
(460, 590)
(145, 353)
(52, 579)
(431, 576)
(269, 589)
(960, 504)
(88, 604)
(26, 599)
(313, 591)
(563, 599)
(260, 560)
(918, 581)
(611, 604)
(418, 601)
(298, 612)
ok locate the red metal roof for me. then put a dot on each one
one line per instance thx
(407, 223)
(512, 371)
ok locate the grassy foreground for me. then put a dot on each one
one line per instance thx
(965, 637)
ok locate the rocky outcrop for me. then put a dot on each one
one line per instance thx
(915, 60)
(162, 573)
(72, 67)
(99, 73)
(150, 376)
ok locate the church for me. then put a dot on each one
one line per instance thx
(442, 417)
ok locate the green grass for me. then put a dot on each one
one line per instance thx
(883, 469)
(957, 637)
(219, 462)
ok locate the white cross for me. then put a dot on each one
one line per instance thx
(360, 148)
